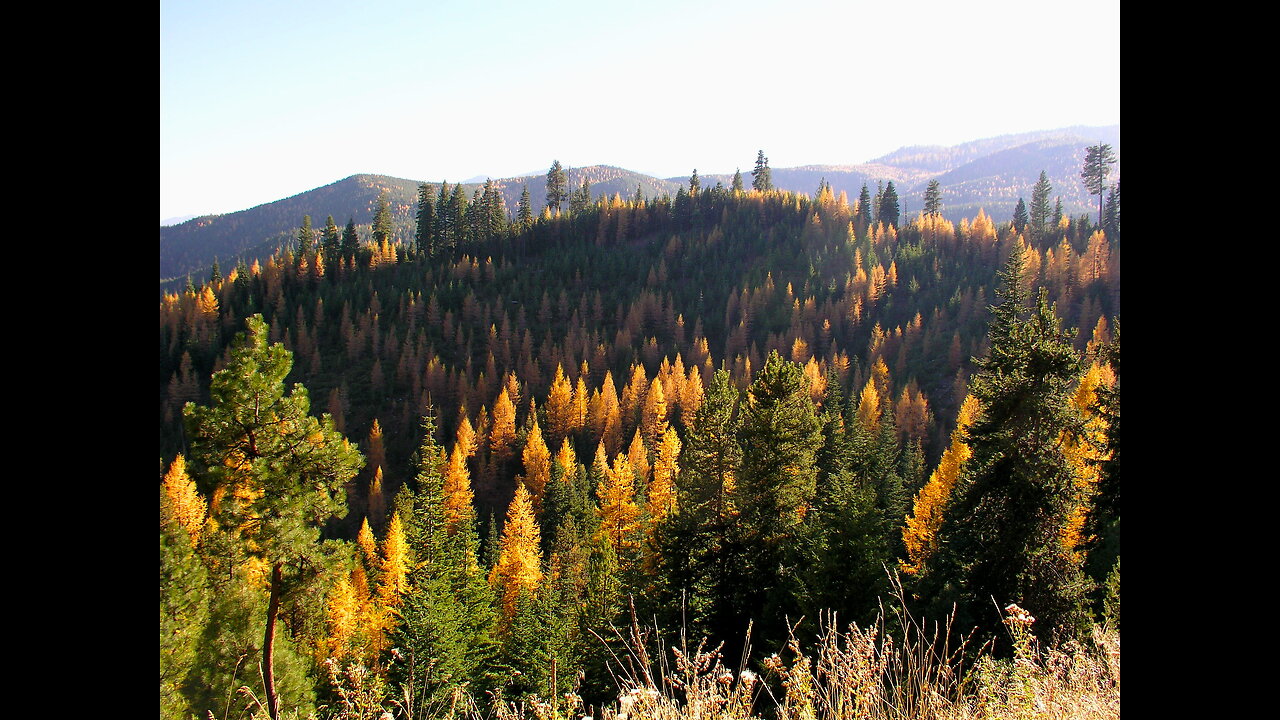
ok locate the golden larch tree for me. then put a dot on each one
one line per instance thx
(619, 515)
(638, 457)
(465, 438)
(1086, 451)
(342, 615)
(633, 397)
(662, 490)
(568, 460)
(502, 433)
(912, 414)
(537, 464)
(519, 566)
(458, 497)
(578, 408)
(920, 534)
(559, 408)
(605, 415)
(185, 502)
(691, 397)
(377, 452)
(368, 545)
(653, 416)
(868, 415)
(394, 579)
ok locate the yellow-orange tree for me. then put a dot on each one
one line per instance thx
(519, 567)
(279, 473)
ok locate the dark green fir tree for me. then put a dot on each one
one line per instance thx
(1002, 535)
(933, 198)
(762, 176)
(557, 186)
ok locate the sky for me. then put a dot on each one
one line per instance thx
(261, 100)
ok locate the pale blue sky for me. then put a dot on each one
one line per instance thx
(262, 100)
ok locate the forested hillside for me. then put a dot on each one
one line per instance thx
(990, 174)
(421, 464)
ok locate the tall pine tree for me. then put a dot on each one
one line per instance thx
(557, 186)
(762, 176)
(1002, 536)
(279, 472)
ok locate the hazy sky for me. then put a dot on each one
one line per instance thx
(263, 100)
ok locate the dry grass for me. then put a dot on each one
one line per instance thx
(851, 673)
(858, 673)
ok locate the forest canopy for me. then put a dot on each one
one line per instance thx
(399, 470)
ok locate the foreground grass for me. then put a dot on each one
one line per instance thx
(859, 673)
(918, 672)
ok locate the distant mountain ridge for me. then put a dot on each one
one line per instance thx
(990, 173)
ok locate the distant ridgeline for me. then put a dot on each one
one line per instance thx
(987, 174)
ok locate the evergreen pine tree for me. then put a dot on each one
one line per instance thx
(933, 198)
(457, 223)
(350, 241)
(331, 244)
(890, 212)
(581, 197)
(1002, 534)
(306, 238)
(1020, 217)
(736, 187)
(280, 472)
(779, 436)
(1098, 160)
(557, 186)
(864, 206)
(762, 176)
(1039, 216)
(426, 219)
(1111, 213)
(524, 211)
(184, 604)
(382, 228)
(446, 617)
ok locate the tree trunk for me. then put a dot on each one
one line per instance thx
(268, 643)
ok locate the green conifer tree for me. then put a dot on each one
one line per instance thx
(779, 436)
(557, 186)
(1002, 535)
(524, 211)
(331, 244)
(382, 227)
(306, 238)
(864, 206)
(425, 218)
(1020, 217)
(447, 618)
(1111, 213)
(933, 198)
(1098, 160)
(762, 176)
(350, 241)
(280, 473)
(1040, 211)
(890, 211)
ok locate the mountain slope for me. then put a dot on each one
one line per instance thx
(991, 174)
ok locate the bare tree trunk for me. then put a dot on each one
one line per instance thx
(268, 644)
